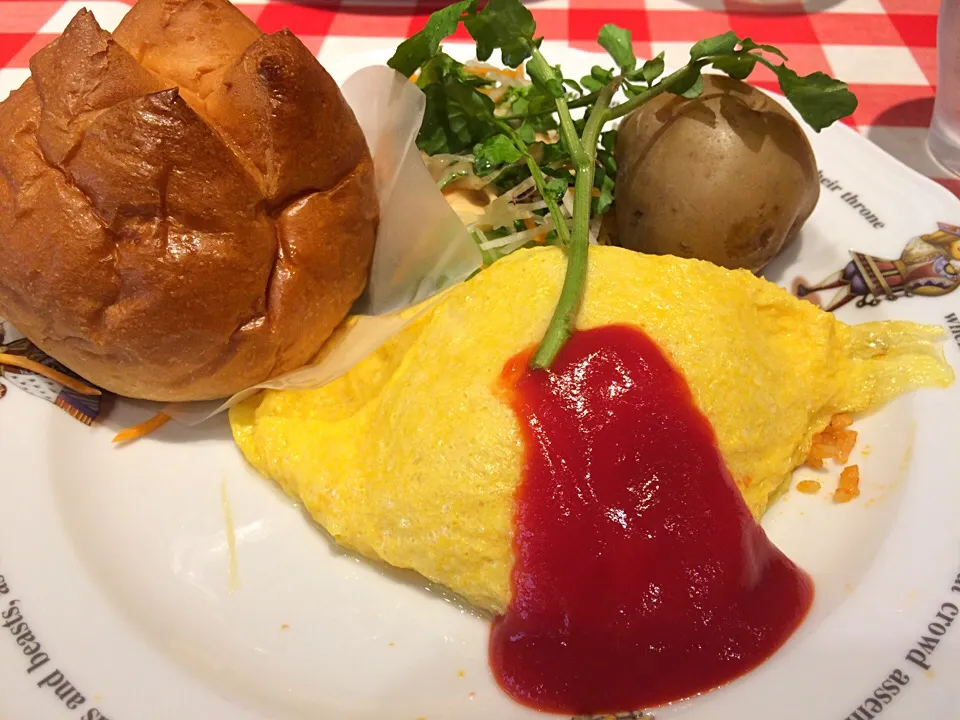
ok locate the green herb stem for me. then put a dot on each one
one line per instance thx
(582, 101)
(568, 134)
(641, 98)
(632, 104)
(564, 318)
(559, 220)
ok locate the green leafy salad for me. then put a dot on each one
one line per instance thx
(538, 143)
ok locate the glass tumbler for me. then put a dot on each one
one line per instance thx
(944, 137)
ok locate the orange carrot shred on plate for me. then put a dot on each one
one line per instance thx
(848, 438)
(143, 429)
(844, 496)
(819, 451)
(834, 442)
(849, 485)
(539, 238)
(808, 487)
(841, 421)
(850, 477)
(482, 71)
(49, 373)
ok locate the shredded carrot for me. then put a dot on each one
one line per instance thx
(55, 375)
(850, 478)
(482, 71)
(143, 429)
(835, 442)
(819, 451)
(841, 421)
(539, 238)
(848, 439)
(841, 495)
(808, 486)
(848, 486)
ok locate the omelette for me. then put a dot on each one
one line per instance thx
(413, 457)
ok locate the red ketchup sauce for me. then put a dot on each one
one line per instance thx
(640, 575)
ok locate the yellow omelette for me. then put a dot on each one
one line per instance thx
(413, 456)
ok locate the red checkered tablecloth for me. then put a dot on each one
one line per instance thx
(885, 49)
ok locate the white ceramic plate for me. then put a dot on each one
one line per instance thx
(117, 598)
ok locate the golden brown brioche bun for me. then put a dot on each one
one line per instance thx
(187, 206)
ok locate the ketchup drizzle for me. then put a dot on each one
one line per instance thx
(640, 575)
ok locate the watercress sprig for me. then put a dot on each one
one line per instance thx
(460, 116)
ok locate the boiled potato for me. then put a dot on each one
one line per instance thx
(728, 177)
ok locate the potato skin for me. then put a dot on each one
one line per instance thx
(728, 177)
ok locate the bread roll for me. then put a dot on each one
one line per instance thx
(187, 206)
